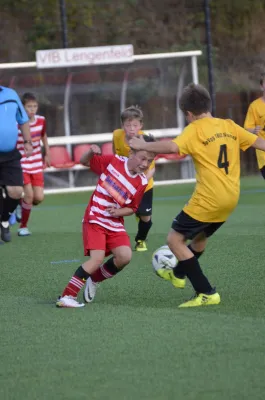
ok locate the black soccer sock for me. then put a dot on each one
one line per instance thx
(111, 267)
(143, 229)
(106, 271)
(9, 206)
(178, 270)
(193, 271)
(81, 273)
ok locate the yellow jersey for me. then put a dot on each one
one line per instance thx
(214, 145)
(121, 148)
(256, 117)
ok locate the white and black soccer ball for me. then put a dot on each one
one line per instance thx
(163, 258)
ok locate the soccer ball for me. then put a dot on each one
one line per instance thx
(163, 258)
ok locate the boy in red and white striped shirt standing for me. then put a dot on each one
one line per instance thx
(120, 188)
(32, 166)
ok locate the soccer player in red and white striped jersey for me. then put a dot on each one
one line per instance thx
(120, 188)
(32, 166)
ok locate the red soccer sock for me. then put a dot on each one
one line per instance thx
(76, 282)
(26, 209)
(74, 286)
(105, 271)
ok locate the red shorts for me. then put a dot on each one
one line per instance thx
(96, 237)
(33, 179)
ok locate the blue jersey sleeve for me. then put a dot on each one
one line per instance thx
(21, 115)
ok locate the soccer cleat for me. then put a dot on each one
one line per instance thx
(18, 213)
(168, 275)
(12, 219)
(68, 302)
(5, 232)
(201, 299)
(23, 232)
(90, 290)
(141, 245)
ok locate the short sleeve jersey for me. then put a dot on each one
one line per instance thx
(117, 188)
(34, 163)
(12, 113)
(122, 148)
(256, 116)
(214, 145)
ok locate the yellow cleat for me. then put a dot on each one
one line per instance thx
(202, 299)
(141, 245)
(168, 275)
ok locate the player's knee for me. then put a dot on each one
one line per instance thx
(175, 239)
(96, 262)
(199, 242)
(15, 192)
(37, 200)
(123, 259)
(146, 218)
(28, 198)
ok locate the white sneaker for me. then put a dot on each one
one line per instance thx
(90, 290)
(23, 232)
(68, 302)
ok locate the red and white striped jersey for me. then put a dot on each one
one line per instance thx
(116, 187)
(34, 163)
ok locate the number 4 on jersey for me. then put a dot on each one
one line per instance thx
(222, 159)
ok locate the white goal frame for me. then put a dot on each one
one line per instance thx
(69, 140)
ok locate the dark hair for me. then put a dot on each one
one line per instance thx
(132, 112)
(148, 138)
(28, 97)
(262, 77)
(196, 99)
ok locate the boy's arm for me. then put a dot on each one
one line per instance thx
(93, 159)
(250, 122)
(86, 157)
(126, 211)
(25, 130)
(164, 147)
(47, 159)
(259, 144)
(120, 212)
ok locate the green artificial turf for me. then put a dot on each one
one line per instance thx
(133, 342)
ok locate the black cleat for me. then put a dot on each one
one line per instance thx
(5, 233)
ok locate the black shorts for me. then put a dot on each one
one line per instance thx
(10, 169)
(145, 207)
(190, 227)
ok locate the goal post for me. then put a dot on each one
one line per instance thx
(82, 103)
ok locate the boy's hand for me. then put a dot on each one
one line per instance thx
(257, 129)
(114, 212)
(137, 143)
(47, 160)
(28, 149)
(95, 149)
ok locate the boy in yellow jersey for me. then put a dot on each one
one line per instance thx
(214, 145)
(255, 122)
(132, 123)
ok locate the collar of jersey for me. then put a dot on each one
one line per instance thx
(127, 169)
